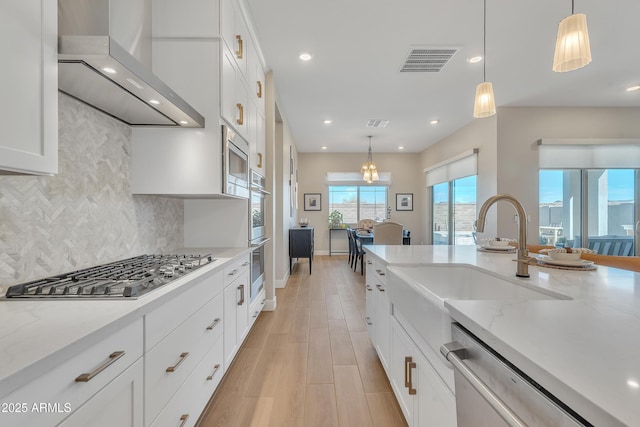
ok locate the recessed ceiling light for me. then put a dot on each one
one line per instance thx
(434, 122)
(109, 70)
(154, 102)
(327, 122)
(324, 147)
(305, 56)
(633, 88)
(184, 122)
(633, 384)
(474, 59)
(401, 148)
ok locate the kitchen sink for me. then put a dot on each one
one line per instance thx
(419, 293)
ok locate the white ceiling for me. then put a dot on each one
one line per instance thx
(359, 46)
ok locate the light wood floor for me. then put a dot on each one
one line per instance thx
(310, 362)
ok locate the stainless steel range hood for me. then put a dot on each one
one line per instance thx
(104, 60)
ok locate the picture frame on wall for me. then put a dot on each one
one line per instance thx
(312, 201)
(404, 201)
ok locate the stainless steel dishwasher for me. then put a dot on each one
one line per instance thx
(491, 392)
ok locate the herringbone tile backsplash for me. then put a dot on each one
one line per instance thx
(85, 215)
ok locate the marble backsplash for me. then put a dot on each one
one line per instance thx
(85, 215)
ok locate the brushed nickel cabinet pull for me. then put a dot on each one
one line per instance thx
(235, 270)
(368, 321)
(240, 121)
(369, 288)
(83, 378)
(380, 272)
(174, 367)
(244, 264)
(259, 89)
(184, 419)
(214, 324)
(241, 289)
(215, 369)
(409, 364)
(240, 50)
(380, 288)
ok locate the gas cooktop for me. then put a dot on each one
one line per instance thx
(128, 278)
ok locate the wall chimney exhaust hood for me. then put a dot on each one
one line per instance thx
(104, 60)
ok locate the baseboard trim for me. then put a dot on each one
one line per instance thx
(270, 304)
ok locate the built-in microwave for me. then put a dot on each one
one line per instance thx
(235, 159)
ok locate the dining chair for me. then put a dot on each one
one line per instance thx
(359, 253)
(351, 241)
(387, 233)
(366, 223)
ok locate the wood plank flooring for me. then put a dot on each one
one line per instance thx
(309, 363)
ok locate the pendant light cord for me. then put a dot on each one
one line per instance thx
(484, 43)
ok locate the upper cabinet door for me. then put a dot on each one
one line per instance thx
(29, 87)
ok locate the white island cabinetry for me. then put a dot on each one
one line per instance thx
(424, 396)
(29, 87)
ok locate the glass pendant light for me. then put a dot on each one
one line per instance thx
(573, 50)
(369, 170)
(485, 104)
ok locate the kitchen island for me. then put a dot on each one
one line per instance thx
(584, 348)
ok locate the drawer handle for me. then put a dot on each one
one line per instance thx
(368, 321)
(233, 272)
(239, 52)
(408, 380)
(369, 262)
(256, 314)
(380, 288)
(241, 289)
(215, 369)
(259, 94)
(369, 288)
(184, 419)
(244, 264)
(259, 160)
(110, 361)
(214, 324)
(240, 120)
(263, 301)
(380, 272)
(174, 367)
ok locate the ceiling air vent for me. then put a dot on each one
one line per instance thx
(427, 60)
(377, 123)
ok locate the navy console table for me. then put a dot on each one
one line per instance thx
(300, 245)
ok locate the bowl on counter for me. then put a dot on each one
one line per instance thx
(566, 254)
(498, 242)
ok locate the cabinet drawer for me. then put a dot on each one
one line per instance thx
(194, 394)
(170, 362)
(65, 387)
(161, 321)
(256, 307)
(235, 269)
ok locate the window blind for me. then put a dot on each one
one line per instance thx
(355, 178)
(460, 166)
(608, 153)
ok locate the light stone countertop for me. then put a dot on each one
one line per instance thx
(37, 335)
(586, 350)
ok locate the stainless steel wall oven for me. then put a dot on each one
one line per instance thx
(257, 234)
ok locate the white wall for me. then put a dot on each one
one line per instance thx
(508, 158)
(313, 168)
(480, 134)
(519, 129)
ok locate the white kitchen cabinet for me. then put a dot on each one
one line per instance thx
(236, 307)
(183, 162)
(257, 146)
(423, 396)
(119, 403)
(235, 34)
(256, 307)
(234, 106)
(378, 310)
(88, 373)
(29, 87)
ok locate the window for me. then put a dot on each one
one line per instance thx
(357, 202)
(452, 223)
(598, 203)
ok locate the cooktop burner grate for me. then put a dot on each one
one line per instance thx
(128, 278)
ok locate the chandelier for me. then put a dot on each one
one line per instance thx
(369, 170)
